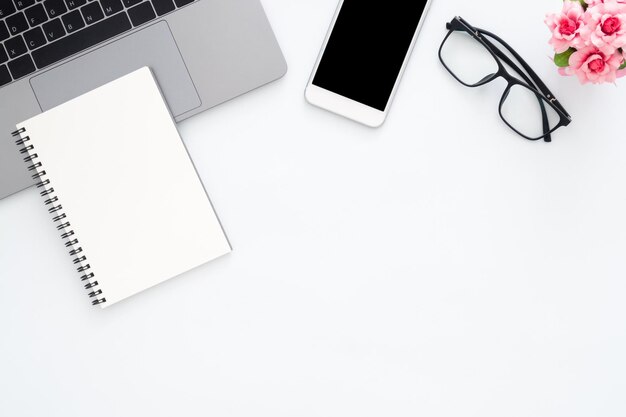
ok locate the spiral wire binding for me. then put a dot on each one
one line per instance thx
(55, 208)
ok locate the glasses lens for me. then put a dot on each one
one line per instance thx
(522, 111)
(468, 59)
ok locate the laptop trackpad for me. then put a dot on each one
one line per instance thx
(153, 46)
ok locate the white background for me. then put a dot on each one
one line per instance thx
(438, 266)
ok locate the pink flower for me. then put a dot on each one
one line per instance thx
(605, 26)
(566, 26)
(590, 64)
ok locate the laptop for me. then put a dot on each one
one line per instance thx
(202, 53)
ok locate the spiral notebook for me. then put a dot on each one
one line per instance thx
(121, 188)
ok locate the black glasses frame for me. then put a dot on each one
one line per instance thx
(530, 81)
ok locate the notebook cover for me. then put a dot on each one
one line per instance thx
(122, 176)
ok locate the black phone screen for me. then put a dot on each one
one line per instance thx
(366, 49)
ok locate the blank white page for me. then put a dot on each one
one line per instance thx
(127, 186)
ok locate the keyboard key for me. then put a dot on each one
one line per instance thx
(73, 21)
(22, 4)
(15, 47)
(53, 30)
(4, 32)
(129, 3)
(92, 13)
(34, 38)
(5, 77)
(90, 36)
(111, 6)
(6, 9)
(3, 55)
(163, 6)
(181, 3)
(17, 23)
(73, 4)
(36, 15)
(21, 66)
(55, 8)
(141, 14)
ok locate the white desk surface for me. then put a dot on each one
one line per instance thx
(438, 266)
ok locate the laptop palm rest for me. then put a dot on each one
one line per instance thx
(153, 46)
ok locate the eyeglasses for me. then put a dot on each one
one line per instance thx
(527, 106)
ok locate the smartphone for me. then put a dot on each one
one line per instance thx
(363, 57)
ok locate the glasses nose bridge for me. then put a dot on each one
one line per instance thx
(505, 95)
(504, 73)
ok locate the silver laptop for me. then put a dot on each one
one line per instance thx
(202, 53)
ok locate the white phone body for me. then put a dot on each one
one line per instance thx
(344, 106)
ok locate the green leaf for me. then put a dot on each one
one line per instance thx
(623, 65)
(562, 59)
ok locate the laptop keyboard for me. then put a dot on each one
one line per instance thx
(37, 33)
